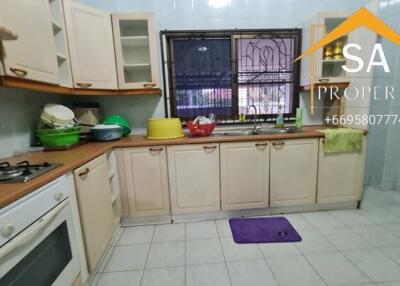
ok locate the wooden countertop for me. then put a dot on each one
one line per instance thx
(71, 159)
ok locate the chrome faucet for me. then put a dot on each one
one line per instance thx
(255, 115)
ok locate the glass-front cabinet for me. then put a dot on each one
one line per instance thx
(325, 65)
(136, 50)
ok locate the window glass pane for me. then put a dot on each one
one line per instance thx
(202, 77)
(265, 74)
(44, 263)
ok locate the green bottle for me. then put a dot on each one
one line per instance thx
(280, 122)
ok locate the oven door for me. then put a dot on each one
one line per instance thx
(45, 253)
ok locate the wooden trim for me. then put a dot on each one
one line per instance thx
(340, 85)
(8, 81)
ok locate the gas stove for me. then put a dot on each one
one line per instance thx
(23, 172)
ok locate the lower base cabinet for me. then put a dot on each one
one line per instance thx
(146, 181)
(93, 191)
(194, 178)
(244, 175)
(340, 176)
(293, 172)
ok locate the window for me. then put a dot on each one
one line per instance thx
(226, 72)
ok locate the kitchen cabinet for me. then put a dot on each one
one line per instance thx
(95, 208)
(91, 46)
(146, 180)
(340, 176)
(194, 178)
(32, 55)
(293, 173)
(244, 175)
(328, 61)
(136, 50)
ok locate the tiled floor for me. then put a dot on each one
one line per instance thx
(346, 247)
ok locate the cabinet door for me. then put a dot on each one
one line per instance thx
(293, 172)
(136, 50)
(33, 55)
(91, 46)
(194, 178)
(340, 176)
(95, 207)
(244, 175)
(147, 181)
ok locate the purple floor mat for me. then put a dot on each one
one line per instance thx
(262, 230)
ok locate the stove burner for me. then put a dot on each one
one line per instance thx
(23, 171)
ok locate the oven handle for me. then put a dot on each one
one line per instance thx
(28, 234)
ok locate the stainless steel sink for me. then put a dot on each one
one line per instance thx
(258, 131)
(239, 132)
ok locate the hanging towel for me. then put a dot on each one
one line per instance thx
(343, 140)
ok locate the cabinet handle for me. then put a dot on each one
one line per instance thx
(19, 71)
(84, 173)
(84, 84)
(156, 149)
(261, 144)
(149, 85)
(276, 144)
(7, 230)
(323, 79)
(209, 147)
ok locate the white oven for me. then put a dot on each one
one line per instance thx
(38, 244)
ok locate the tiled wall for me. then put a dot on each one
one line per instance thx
(19, 109)
(383, 156)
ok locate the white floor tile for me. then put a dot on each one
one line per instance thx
(201, 229)
(223, 227)
(250, 273)
(378, 215)
(351, 217)
(136, 235)
(127, 278)
(207, 275)
(374, 264)
(127, 257)
(314, 242)
(377, 235)
(322, 220)
(204, 251)
(234, 251)
(95, 279)
(172, 276)
(392, 252)
(344, 238)
(278, 249)
(294, 270)
(169, 232)
(298, 222)
(166, 254)
(393, 283)
(393, 228)
(336, 269)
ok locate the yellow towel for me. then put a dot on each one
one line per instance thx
(343, 140)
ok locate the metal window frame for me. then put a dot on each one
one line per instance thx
(233, 34)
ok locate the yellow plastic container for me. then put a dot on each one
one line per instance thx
(164, 128)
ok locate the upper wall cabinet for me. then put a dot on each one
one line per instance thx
(328, 61)
(32, 56)
(136, 51)
(91, 46)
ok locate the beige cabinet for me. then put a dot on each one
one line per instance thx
(136, 50)
(91, 46)
(32, 56)
(146, 181)
(244, 175)
(293, 174)
(194, 178)
(95, 207)
(340, 176)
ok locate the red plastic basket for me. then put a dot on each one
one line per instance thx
(197, 130)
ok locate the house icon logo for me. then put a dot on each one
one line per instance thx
(361, 18)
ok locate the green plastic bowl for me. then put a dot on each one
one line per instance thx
(119, 120)
(58, 137)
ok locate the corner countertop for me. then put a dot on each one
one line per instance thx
(72, 159)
